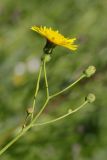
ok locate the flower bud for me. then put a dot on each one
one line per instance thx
(46, 57)
(90, 71)
(29, 110)
(90, 98)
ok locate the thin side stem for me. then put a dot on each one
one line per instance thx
(36, 90)
(47, 92)
(46, 81)
(64, 116)
(65, 89)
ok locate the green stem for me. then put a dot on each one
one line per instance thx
(65, 89)
(64, 116)
(26, 119)
(36, 90)
(10, 143)
(47, 91)
(24, 130)
(46, 81)
(14, 140)
(44, 106)
(38, 124)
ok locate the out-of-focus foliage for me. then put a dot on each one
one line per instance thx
(83, 136)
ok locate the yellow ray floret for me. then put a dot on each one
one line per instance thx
(55, 37)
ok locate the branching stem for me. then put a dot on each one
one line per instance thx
(62, 117)
(33, 120)
(68, 87)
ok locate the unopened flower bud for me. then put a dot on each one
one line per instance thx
(29, 110)
(90, 71)
(46, 57)
(90, 98)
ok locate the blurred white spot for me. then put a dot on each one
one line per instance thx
(33, 65)
(20, 68)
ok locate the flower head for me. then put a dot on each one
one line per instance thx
(55, 38)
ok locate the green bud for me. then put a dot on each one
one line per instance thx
(46, 57)
(90, 71)
(29, 110)
(90, 98)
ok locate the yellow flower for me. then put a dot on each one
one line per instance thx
(55, 38)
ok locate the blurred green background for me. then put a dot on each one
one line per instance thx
(82, 136)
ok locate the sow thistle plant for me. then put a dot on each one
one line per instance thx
(53, 39)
